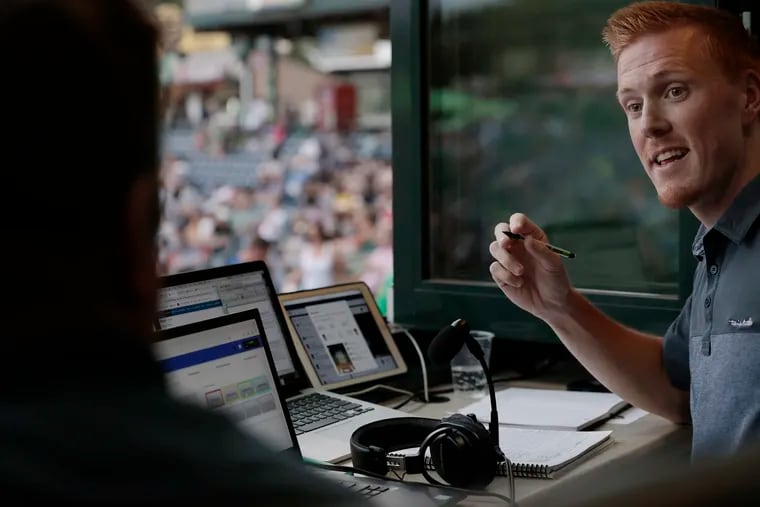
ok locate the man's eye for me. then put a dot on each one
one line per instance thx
(675, 92)
(633, 107)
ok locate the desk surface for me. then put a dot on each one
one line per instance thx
(635, 448)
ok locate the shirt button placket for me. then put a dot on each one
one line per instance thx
(711, 283)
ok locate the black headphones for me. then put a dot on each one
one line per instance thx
(461, 450)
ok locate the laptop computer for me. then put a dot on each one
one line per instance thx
(225, 364)
(325, 419)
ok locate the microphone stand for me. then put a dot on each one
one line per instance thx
(493, 425)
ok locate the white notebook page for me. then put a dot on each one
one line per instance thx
(548, 408)
(552, 448)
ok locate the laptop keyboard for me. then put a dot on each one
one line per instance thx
(316, 410)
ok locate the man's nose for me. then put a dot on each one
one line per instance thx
(654, 123)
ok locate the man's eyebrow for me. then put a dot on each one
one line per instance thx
(668, 74)
(662, 75)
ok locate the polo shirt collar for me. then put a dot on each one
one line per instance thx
(736, 221)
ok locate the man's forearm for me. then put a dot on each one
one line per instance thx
(626, 361)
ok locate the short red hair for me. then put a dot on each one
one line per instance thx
(726, 40)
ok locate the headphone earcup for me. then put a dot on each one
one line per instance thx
(371, 442)
(464, 455)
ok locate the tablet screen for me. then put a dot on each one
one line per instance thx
(338, 330)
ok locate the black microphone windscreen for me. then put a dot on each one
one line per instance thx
(448, 342)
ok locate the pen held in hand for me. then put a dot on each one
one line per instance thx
(560, 251)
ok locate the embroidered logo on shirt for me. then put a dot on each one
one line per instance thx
(741, 324)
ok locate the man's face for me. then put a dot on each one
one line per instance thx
(684, 117)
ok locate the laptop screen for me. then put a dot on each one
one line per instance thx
(340, 334)
(198, 295)
(222, 364)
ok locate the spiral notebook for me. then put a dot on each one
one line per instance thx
(542, 453)
(548, 408)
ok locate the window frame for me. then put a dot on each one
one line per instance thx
(422, 302)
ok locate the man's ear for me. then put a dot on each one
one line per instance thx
(752, 97)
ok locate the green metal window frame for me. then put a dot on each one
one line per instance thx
(421, 302)
(239, 18)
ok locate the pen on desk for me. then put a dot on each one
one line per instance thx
(561, 251)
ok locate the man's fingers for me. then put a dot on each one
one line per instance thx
(505, 259)
(504, 278)
(498, 231)
(521, 224)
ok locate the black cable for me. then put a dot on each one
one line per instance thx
(409, 399)
(356, 471)
(356, 394)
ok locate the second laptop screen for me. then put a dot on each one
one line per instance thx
(340, 336)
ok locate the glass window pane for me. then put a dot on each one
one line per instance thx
(277, 141)
(523, 117)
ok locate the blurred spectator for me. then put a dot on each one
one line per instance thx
(379, 263)
(319, 261)
(274, 223)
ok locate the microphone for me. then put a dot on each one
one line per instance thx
(447, 343)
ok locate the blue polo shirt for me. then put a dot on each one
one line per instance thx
(713, 348)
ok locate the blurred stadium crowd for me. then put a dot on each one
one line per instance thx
(317, 207)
